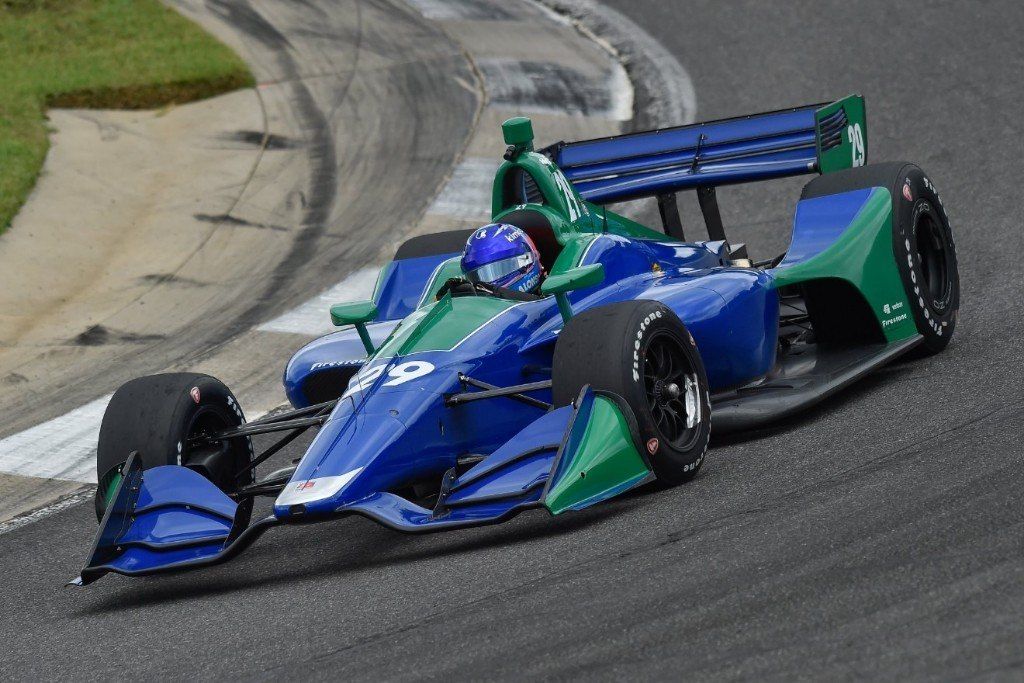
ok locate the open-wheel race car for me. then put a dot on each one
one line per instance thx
(445, 403)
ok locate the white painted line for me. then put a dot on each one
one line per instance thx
(313, 317)
(61, 448)
(552, 88)
(621, 89)
(42, 513)
(462, 10)
(673, 98)
(467, 194)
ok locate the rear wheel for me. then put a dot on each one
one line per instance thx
(157, 416)
(922, 243)
(641, 351)
(926, 256)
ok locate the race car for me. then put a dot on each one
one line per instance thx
(444, 403)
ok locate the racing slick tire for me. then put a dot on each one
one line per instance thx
(641, 351)
(922, 243)
(156, 416)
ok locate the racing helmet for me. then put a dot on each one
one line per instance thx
(502, 255)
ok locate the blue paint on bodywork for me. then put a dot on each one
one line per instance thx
(744, 149)
(383, 435)
(158, 519)
(401, 284)
(820, 221)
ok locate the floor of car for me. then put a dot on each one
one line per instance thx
(804, 375)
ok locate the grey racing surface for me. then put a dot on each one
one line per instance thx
(878, 536)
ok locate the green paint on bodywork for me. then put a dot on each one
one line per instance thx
(441, 325)
(572, 253)
(115, 481)
(603, 461)
(609, 221)
(568, 213)
(863, 257)
(852, 149)
(557, 192)
(446, 271)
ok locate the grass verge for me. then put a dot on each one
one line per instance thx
(113, 54)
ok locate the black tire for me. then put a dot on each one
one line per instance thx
(638, 350)
(157, 415)
(434, 244)
(922, 243)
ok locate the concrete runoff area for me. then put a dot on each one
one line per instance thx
(263, 205)
(155, 237)
(877, 536)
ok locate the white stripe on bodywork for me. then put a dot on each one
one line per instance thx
(61, 448)
(308, 490)
(313, 317)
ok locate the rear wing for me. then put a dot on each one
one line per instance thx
(815, 138)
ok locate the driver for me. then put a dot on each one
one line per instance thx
(503, 257)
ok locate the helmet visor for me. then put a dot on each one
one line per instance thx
(492, 272)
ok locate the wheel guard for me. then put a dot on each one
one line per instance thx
(164, 519)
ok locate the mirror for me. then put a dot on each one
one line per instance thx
(357, 313)
(570, 280)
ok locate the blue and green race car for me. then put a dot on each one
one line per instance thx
(444, 403)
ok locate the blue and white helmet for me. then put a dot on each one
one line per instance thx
(504, 256)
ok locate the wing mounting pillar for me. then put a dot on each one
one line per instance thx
(669, 211)
(712, 216)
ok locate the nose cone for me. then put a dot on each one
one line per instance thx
(377, 439)
(343, 463)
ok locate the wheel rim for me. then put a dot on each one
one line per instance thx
(673, 391)
(207, 421)
(933, 257)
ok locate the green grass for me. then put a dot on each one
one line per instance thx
(118, 54)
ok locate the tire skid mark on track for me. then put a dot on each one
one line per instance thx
(531, 88)
(512, 85)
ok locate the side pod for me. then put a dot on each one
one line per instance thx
(164, 519)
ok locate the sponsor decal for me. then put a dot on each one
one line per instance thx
(652, 446)
(636, 343)
(323, 365)
(889, 308)
(194, 393)
(305, 485)
(907, 194)
(892, 321)
(695, 464)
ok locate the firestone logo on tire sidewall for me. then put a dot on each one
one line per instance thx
(638, 342)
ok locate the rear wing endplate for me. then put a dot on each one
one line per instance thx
(815, 138)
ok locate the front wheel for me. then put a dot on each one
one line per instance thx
(157, 416)
(641, 351)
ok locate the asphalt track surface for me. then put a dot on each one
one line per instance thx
(878, 536)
